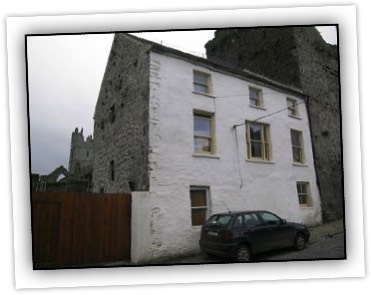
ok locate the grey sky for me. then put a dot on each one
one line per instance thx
(64, 78)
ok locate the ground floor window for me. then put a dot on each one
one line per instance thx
(199, 204)
(303, 190)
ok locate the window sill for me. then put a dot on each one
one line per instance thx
(204, 94)
(294, 117)
(205, 156)
(303, 207)
(258, 108)
(300, 164)
(259, 161)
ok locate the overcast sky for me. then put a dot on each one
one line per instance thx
(64, 77)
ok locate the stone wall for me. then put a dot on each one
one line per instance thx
(297, 56)
(121, 120)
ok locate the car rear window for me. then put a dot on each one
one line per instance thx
(220, 220)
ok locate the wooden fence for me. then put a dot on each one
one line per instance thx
(80, 229)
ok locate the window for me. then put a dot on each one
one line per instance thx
(112, 114)
(303, 194)
(297, 146)
(201, 82)
(203, 142)
(246, 220)
(292, 107)
(256, 97)
(258, 142)
(199, 206)
(112, 170)
(270, 218)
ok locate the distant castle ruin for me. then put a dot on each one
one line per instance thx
(80, 168)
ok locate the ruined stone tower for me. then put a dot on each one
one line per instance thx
(81, 155)
(297, 56)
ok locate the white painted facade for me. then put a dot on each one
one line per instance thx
(162, 217)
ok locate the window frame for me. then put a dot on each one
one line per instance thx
(205, 208)
(258, 100)
(299, 147)
(205, 116)
(112, 170)
(292, 109)
(206, 85)
(265, 142)
(306, 194)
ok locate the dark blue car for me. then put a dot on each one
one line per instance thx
(238, 235)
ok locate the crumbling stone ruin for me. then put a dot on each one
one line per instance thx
(297, 56)
(79, 174)
(81, 155)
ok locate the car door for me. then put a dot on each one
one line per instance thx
(276, 233)
(251, 229)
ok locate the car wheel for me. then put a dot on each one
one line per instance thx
(243, 253)
(299, 243)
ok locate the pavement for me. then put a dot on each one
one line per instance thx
(327, 242)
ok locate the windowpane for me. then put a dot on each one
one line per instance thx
(200, 88)
(198, 216)
(255, 132)
(198, 198)
(295, 138)
(202, 126)
(200, 78)
(198, 206)
(202, 144)
(296, 154)
(269, 217)
(256, 150)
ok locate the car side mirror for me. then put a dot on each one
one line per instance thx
(283, 221)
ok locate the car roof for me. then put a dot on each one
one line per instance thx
(240, 212)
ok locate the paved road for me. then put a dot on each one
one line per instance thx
(327, 242)
(327, 247)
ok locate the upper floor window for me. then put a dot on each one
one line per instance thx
(297, 146)
(201, 82)
(258, 141)
(256, 97)
(203, 135)
(292, 107)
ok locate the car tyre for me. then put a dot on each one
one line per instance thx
(243, 253)
(299, 243)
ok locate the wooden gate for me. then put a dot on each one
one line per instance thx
(80, 229)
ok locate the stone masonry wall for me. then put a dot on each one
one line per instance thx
(121, 120)
(297, 56)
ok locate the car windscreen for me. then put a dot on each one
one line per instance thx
(221, 220)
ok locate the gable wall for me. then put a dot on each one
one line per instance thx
(125, 141)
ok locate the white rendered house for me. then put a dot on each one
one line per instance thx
(190, 137)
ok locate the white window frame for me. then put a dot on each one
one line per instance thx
(205, 208)
(206, 85)
(304, 194)
(292, 107)
(265, 142)
(211, 137)
(299, 147)
(258, 101)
